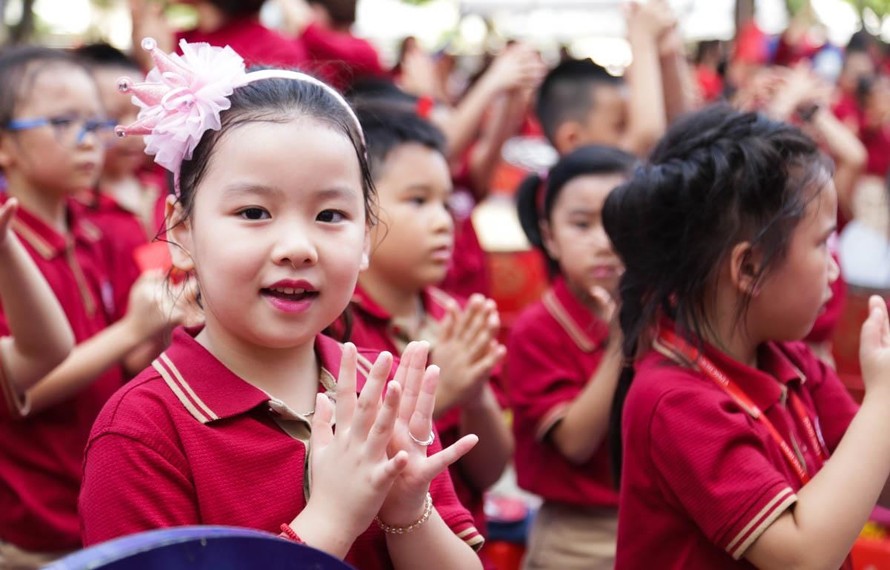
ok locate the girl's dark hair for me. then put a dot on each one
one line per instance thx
(718, 177)
(584, 161)
(276, 101)
(19, 68)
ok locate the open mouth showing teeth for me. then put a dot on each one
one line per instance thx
(289, 294)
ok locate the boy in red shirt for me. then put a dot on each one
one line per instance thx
(396, 301)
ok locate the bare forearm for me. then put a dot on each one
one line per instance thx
(832, 508)
(581, 431)
(433, 546)
(486, 154)
(646, 110)
(848, 152)
(87, 361)
(485, 464)
(463, 122)
(41, 334)
(679, 89)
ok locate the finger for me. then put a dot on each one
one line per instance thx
(381, 431)
(370, 399)
(414, 375)
(440, 461)
(393, 468)
(322, 432)
(476, 321)
(346, 391)
(469, 313)
(874, 329)
(7, 211)
(448, 322)
(421, 421)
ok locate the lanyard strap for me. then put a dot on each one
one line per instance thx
(680, 351)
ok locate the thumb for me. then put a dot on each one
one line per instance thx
(876, 329)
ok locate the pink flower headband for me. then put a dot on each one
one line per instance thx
(183, 96)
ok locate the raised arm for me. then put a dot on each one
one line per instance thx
(40, 335)
(820, 529)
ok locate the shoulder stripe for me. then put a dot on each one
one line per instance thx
(19, 405)
(565, 320)
(182, 390)
(34, 239)
(550, 419)
(760, 522)
(364, 364)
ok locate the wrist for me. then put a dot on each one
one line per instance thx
(405, 525)
(321, 529)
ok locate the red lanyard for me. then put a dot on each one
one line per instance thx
(677, 348)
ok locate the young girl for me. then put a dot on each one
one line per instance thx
(39, 336)
(563, 363)
(728, 423)
(233, 423)
(52, 130)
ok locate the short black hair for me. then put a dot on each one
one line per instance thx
(388, 125)
(239, 7)
(105, 55)
(567, 93)
(342, 12)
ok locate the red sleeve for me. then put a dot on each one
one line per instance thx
(725, 481)
(455, 515)
(133, 481)
(542, 381)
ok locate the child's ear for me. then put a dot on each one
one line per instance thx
(179, 235)
(745, 268)
(567, 137)
(547, 239)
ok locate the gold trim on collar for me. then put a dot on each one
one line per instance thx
(565, 320)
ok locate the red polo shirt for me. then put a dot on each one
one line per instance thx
(40, 467)
(256, 43)
(554, 349)
(125, 233)
(374, 328)
(189, 442)
(339, 57)
(701, 478)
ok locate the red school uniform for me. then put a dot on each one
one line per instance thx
(189, 442)
(339, 57)
(374, 328)
(554, 349)
(702, 479)
(43, 453)
(253, 41)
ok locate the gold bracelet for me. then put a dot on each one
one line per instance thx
(427, 511)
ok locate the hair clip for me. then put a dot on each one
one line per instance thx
(183, 95)
(181, 98)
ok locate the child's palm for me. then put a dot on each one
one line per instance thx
(412, 430)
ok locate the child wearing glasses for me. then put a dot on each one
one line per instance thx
(52, 130)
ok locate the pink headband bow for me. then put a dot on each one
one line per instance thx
(183, 96)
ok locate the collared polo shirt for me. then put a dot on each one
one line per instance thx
(554, 349)
(702, 479)
(189, 442)
(125, 234)
(40, 466)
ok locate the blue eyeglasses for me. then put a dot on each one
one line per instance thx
(70, 131)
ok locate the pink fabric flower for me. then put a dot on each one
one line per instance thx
(182, 98)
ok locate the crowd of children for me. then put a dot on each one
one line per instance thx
(285, 323)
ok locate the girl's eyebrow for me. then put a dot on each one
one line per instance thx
(249, 189)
